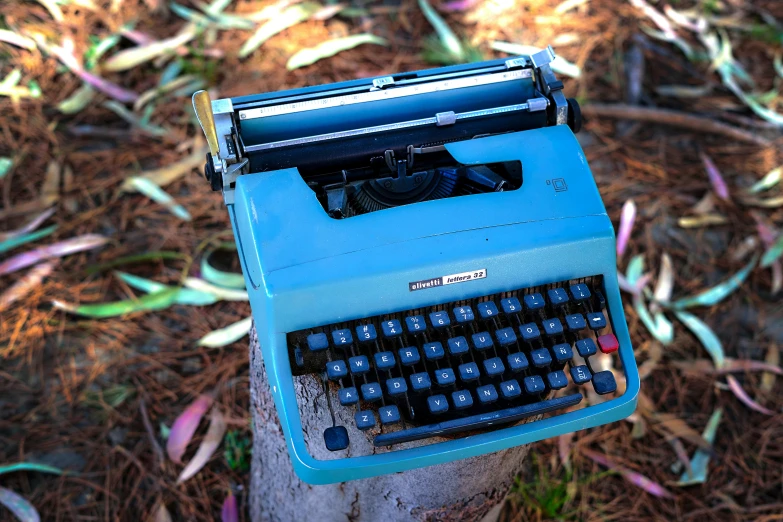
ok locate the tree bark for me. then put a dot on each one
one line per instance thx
(464, 490)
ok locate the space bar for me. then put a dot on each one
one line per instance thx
(483, 420)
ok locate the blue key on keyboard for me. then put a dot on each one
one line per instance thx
(391, 328)
(603, 382)
(384, 360)
(534, 301)
(506, 336)
(562, 352)
(482, 341)
(596, 321)
(534, 384)
(487, 310)
(580, 292)
(440, 319)
(494, 366)
(420, 381)
(396, 386)
(463, 314)
(364, 420)
(365, 333)
(389, 414)
(487, 394)
(517, 362)
(529, 332)
(575, 322)
(586, 347)
(511, 305)
(336, 370)
(557, 380)
(434, 351)
(342, 338)
(553, 326)
(359, 364)
(371, 391)
(348, 396)
(541, 358)
(437, 404)
(580, 374)
(415, 323)
(557, 296)
(462, 399)
(317, 342)
(468, 371)
(510, 389)
(458, 345)
(445, 377)
(409, 355)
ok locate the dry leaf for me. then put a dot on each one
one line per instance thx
(213, 438)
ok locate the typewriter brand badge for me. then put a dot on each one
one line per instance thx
(450, 279)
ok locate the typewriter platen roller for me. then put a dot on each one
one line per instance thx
(430, 266)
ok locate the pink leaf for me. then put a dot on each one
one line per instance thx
(742, 395)
(230, 513)
(457, 5)
(718, 184)
(61, 249)
(634, 478)
(162, 514)
(635, 289)
(31, 226)
(627, 218)
(25, 285)
(185, 426)
(213, 438)
(137, 37)
(730, 366)
(21, 508)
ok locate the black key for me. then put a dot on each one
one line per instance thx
(482, 341)
(575, 322)
(389, 414)
(409, 355)
(371, 391)
(599, 296)
(534, 301)
(366, 333)
(336, 438)
(541, 358)
(445, 377)
(553, 326)
(420, 381)
(359, 364)
(336, 370)
(462, 399)
(434, 351)
(505, 336)
(396, 386)
(511, 305)
(415, 324)
(596, 321)
(487, 394)
(364, 419)
(557, 379)
(580, 374)
(580, 292)
(603, 383)
(557, 296)
(463, 314)
(494, 366)
(481, 420)
(317, 342)
(440, 319)
(517, 362)
(487, 310)
(468, 371)
(391, 328)
(437, 404)
(342, 337)
(586, 347)
(510, 389)
(348, 396)
(458, 345)
(384, 360)
(534, 384)
(529, 332)
(562, 352)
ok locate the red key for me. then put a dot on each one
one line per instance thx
(608, 343)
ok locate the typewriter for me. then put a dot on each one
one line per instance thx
(430, 266)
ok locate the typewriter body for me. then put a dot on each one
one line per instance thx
(430, 266)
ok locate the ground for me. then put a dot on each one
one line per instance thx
(72, 388)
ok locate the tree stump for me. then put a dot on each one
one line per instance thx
(464, 490)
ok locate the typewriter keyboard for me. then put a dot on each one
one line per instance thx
(461, 366)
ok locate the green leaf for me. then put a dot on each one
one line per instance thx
(634, 270)
(717, 293)
(329, 48)
(77, 101)
(227, 335)
(158, 195)
(702, 457)
(288, 18)
(705, 335)
(229, 294)
(16, 241)
(771, 179)
(30, 466)
(101, 47)
(219, 277)
(447, 37)
(187, 296)
(154, 301)
(774, 252)
(660, 327)
(5, 166)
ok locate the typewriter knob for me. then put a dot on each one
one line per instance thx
(574, 115)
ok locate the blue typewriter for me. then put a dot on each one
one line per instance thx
(430, 266)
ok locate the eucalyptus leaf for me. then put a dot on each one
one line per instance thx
(30, 466)
(774, 252)
(705, 335)
(16, 504)
(701, 458)
(717, 293)
(329, 48)
(227, 335)
(5, 166)
(158, 195)
(447, 37)
(288, 18)
(16, 241)
(771, 179)
(154, 301)
(77, 101)
(219, 277)
(634, 270)
(187, 296)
